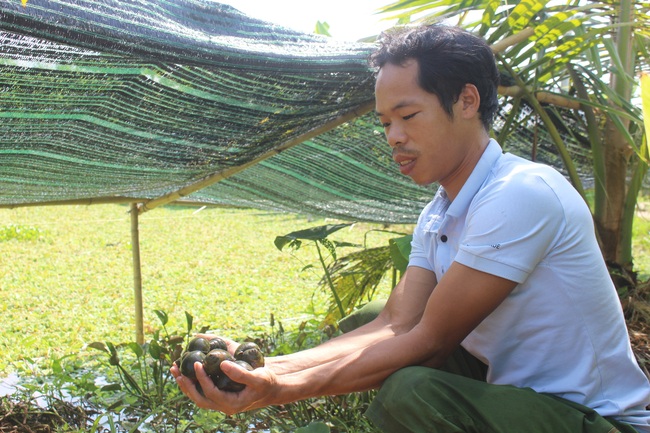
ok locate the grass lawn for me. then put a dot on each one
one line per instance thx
(66, 275)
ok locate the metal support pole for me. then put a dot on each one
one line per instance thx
(137, 274)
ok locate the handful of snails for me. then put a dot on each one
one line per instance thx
(211, 353)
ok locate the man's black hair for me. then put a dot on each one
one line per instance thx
(448, 58)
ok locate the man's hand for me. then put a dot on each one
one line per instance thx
(260, 384)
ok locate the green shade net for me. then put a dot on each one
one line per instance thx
(123, 101)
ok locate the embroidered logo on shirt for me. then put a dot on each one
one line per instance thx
(496, 246)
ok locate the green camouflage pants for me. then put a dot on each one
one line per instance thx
(427, 400)
(456, 399)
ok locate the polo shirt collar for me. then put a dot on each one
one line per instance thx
(460, 204)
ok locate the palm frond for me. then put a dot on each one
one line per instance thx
(356, 277)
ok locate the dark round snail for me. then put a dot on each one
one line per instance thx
(212, 362)
(250, 353)
(198, 343)
(188, 359)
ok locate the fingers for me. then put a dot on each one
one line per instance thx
(175, 371)
(190, 388)
(186, 385)
(210, 394)
(212, 397)
(236, 372)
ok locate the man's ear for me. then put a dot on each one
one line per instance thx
(470, 100)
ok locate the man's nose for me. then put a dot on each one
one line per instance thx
(395, 136)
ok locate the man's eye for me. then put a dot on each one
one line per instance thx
(410, 116)
(385, 125)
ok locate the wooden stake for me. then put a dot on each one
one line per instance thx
(80, 201)
(137, 274)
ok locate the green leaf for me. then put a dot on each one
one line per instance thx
(311, 234)
(487, 20)
(283, 241)
(317, 233)
(645, 98)
(136, 348)
(329, 246)
(155, 350)
(111, 387)
(523, 13)
(405, 9)
(355, 278)
(400, 249)
(338, 244)
(322, 28)
(57, 368)
(556, 27)
(566, 52)
(617, 63)
(131, 381)
(114, 360)
(314, 427)
(164, 318)
(402, 6)
(99, 346)
(190, 321)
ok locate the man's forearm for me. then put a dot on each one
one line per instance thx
(360, 370)
(331, 350)
(401, 313)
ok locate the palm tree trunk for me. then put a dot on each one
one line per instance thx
(609, 223)
(617, 151)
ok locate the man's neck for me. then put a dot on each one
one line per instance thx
(454, 184)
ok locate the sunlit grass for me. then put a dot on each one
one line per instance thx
(70, 282)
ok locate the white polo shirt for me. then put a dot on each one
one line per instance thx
(561, 331)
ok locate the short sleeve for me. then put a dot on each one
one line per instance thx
(511, 226)
(419, 256)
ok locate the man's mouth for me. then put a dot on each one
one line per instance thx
(405, 164)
